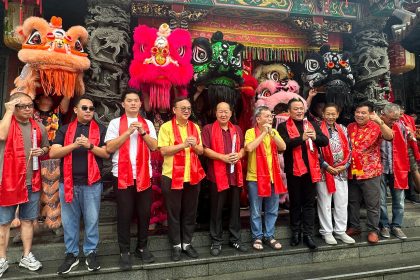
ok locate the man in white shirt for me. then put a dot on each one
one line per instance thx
(131, 138)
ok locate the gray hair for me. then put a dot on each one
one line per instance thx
(258, 111)
(391, 108)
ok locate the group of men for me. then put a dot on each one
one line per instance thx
(319, 160)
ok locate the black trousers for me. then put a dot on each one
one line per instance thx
(217, 202)
(130, 202)
(182, 210)
(302, 194)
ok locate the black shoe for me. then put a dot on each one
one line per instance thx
(295, 239)
(92, 262)
(309, 242)
(215, 249)
(69, 262)
(238, 246)
(145, 255)
(191, 252)
(125, 261)
(176, 253)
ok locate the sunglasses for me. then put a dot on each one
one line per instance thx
(24, 106)
(86, 108)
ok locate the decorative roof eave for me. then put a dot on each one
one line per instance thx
(409, 34)
(269, 10)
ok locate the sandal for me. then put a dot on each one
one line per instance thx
(274, 244)
(257, 245)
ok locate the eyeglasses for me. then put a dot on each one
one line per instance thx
(24, 106)
(185, 109)
(90, 108)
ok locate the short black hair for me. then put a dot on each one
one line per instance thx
(328, 105)
(179, 99)
(289, 104)
(130, 91)
(365, 104)
(83, 97)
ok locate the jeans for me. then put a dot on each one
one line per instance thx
(397, 203)
(86, 202)
(270, 212)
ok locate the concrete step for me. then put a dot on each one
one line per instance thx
(292, 262)
(47, 246)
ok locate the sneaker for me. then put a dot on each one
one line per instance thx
(29, 262)
(215, 249)
(125, 261)
(69, 262)
(353, 231)
(329, 239)
(4, 265)
(92, 262)
(190, 251)
(238, 246)
(373, 237)
(384, 232)
(176, 253)
(398, 233)
(345, 238)
(145, 255)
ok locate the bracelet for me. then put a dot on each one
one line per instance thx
(144, 133)
(43, 151)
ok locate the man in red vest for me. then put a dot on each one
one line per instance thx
(223, 145)
(396, 165)
(130, 139)
(179, 142)
(81, 146)
(366, 134)
(263, 143)
(301, 165)
(20, 178)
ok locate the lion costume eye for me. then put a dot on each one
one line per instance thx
(78, 46)
(265, 93)
(35, 38)
(181, 51)
(274, 75)
(199, 55)
(312, 65)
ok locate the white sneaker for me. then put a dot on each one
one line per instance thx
(3, 266)
(329, 239)
(30, 262)
(345, 238)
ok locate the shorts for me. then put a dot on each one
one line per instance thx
(28, 211)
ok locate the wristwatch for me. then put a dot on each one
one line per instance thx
(144, 133)
(91, 146)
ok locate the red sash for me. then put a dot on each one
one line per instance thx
(178, 168)
(13, 189)
(299, 167)
(263, 172)
(218, 146)
(361, 139)
(328, 156)
(400, 161)
(94, 174)
(125, 170)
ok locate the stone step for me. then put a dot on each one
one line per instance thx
(294, 262)
(47, 246)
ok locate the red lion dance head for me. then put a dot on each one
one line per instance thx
(55, 59)
(162, 62)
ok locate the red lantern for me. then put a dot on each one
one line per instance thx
(400, 60)
(16, 12)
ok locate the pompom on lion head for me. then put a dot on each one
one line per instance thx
(55, 59)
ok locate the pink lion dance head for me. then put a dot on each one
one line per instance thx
(160, 64)
(270, 93)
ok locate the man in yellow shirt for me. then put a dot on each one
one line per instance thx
(263, 179)
(179, 142)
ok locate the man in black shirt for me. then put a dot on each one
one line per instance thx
(301, 165)
(81, 145)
